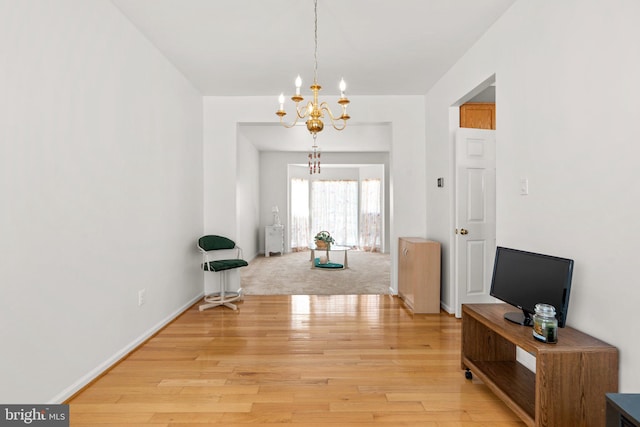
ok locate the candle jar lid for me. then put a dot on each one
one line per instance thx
(545, 309)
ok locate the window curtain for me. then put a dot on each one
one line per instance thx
(370, 215)
(299, 231)
(334, 208)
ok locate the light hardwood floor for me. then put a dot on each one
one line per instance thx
(343, 361)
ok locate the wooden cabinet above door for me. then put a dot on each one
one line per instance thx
(478, 115)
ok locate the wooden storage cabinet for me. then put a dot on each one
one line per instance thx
(419, 274)
(571, 379)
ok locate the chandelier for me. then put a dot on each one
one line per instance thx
(314, 111)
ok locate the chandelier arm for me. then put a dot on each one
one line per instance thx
(344, 125)
(288, 126)
(303, 112)
(325, 107)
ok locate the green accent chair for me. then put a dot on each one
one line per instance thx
(208, 245)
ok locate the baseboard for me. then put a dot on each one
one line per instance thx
(113, 360)
(446, 308)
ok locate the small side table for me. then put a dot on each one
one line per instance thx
(332, 248)
(273, 239)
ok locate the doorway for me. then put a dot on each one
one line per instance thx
(474, 213)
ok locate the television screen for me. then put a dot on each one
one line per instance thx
(524, 279)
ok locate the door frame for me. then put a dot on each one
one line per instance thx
(454, 125)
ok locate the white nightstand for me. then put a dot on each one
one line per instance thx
(273, 239)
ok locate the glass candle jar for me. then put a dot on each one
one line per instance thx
(545, 324)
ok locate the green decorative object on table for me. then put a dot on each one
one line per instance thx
(323, 240)
(326, 264)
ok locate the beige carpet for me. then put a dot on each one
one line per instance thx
(291, 274)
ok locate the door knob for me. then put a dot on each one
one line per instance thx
(464, 231)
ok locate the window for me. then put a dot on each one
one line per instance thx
(334, 207)
(353, 218)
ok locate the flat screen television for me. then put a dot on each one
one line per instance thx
(524, 279)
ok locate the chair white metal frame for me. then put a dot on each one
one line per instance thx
(208, 244)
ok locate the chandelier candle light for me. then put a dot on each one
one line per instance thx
(314, 111)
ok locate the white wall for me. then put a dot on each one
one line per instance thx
(101, 193)
(223, 166)
(248, 196)
(273, 190)
(406, 171)
(567, 75)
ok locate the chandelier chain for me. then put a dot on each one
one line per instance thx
(315, 36)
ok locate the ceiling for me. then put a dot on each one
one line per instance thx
(258, 47)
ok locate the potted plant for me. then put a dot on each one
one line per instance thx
(323, 240)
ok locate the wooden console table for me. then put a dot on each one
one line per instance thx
(571, 379)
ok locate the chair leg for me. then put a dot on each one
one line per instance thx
(221, 298)
(214, 300)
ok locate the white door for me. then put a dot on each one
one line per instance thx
(475, 213)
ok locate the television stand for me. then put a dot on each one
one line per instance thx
(571, 379)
